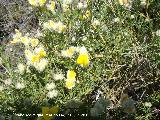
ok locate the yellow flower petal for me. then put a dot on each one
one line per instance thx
(34, 42)
(70, 85)
(42, 2)
(51, 24)
(42, 53)
(83, 59)
(14, 41)
(35, 58)
(71, 74)
(52, 5)
(25, 40)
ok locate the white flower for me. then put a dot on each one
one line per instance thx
(132, 16)
(28, 55)
(65, 7)
(83, 50)
(116, 20)
(8, 82)
(73, 39)
(38, 34)
(1, 88)
(50, 86)
(40, 66)
(148, 104)
(67, 1)
(90, 49)
(52, 94)
(95, 23)
(27, 69)
(69, 52)
(158, 32)
(82, 5)
(0, 61)
(19, 85)
(84, 38)
(21, 68)
(143, 2)
(58, 76)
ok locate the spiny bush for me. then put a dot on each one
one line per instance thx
(95, 56)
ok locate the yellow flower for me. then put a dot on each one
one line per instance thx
(51, 6)
(25, 41)
(51, 23)
(40, 52)
(60, 27)
(34, 42)
(37, 2)
(41, 2)
(35, 58)
(87, 14)
(14, 41)
(70, 84)
(65, 7)
(71, 74)
(46, 111)
(83, 58)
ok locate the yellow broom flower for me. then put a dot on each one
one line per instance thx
(51, 6)
(71, 74)
(60, 27)
(34, 42)
(71, 78)
(41, 2)
(14, 41)
(35, 58)
(25, 40)
(37, 2)
(83, 58)
(87, 15)
(70, 84)
(40, 52)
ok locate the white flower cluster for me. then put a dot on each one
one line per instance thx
(51, 88)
